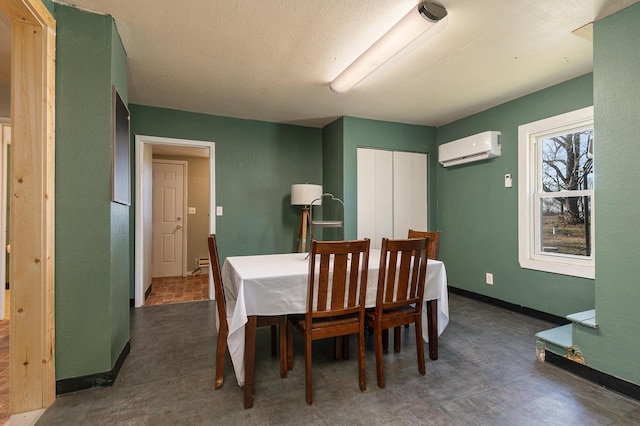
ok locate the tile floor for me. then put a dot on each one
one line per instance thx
(178, 289)
(487, 374)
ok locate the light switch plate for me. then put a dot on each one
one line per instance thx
(191, 210)
(219, 211)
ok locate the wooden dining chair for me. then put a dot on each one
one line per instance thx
(433, 252)
(434, 247)
(401, 278)
(276, 322)
(335, 300)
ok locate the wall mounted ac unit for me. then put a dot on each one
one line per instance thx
(472, 148)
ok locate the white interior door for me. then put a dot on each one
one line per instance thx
(392, 193)
(168, 218)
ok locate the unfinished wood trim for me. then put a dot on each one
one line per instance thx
(32, 215)
(29, 12)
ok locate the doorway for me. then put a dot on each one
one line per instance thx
(145, 146)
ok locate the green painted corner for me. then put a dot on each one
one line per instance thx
(614, 347)
(360, 132)
(91, 237)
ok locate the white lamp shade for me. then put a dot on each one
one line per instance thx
(303, 194)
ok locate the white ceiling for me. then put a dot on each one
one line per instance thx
(273, 60)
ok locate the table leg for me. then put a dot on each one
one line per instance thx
(249, 359)
(432, 327)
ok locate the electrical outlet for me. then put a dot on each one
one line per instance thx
(489, 278)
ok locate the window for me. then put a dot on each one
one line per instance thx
(556, 194)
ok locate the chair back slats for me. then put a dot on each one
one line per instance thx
(338, 285)
(353, 280)
(433, 249)
(337, 277)
(214, 261)
(390, 276)
(323, 283)
(402, 273)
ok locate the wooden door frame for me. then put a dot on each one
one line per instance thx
(32, 217)
(185, 175)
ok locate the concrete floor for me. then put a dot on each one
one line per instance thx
(487, 374)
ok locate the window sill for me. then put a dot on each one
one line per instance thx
(586, 270)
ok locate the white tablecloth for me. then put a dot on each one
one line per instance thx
(276, 284)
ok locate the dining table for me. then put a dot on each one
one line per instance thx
(276, 284)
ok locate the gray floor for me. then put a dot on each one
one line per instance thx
(487, 374)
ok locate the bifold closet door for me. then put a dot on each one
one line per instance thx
(409, 192)
(392, 193)
(375, 189)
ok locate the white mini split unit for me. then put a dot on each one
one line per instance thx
(472, 148)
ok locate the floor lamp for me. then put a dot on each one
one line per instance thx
(303, 194)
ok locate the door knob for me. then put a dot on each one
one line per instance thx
(179, 227)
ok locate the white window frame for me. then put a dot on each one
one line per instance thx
(529, 216)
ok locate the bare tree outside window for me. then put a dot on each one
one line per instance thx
(567, 167)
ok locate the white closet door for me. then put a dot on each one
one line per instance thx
(375, 188)
(409, 192)
(392, 193)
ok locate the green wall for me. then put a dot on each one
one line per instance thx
(359, 132)
(615, 346)
(92, 234)
(478, 216)
(332, 179)
(256, 164)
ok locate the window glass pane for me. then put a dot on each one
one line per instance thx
(564, 229)
(567, 161)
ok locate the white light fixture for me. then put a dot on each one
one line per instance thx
(303, 194)
(409, 28)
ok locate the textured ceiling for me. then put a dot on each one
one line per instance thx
(273, 60)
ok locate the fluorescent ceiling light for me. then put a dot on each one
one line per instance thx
(409, 28)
